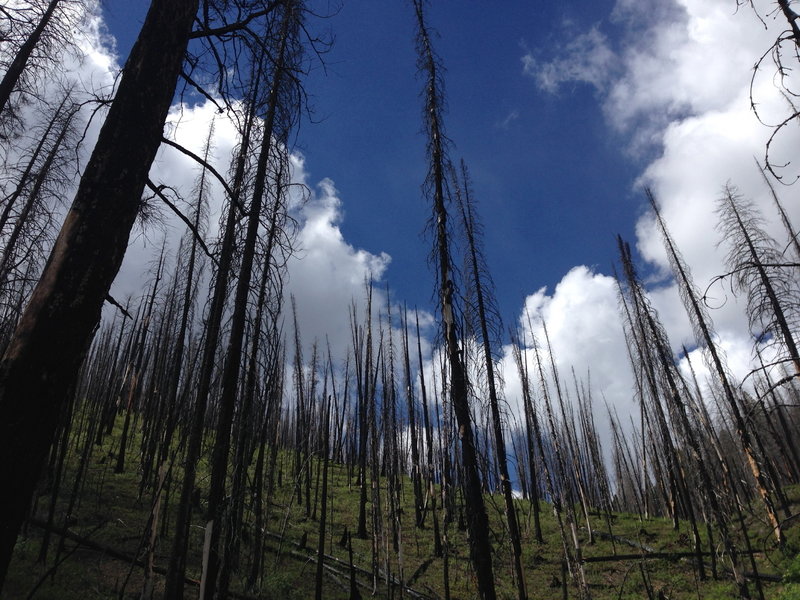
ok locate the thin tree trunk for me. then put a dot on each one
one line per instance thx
(324, 507)
(173, 589)
(469, 224)
(699, 321)
(480, 549)
(17, 66)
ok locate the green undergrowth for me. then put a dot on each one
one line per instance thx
(111, 515)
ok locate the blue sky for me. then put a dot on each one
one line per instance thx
(553, 183)
(552, 186)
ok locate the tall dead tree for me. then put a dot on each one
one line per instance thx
(652, 346)
(362, 349)
(36, 374)
(757, 270)
(177, 562)
(791, 232)
(274, 136)
(481, 286)
(416, 473)
(25, 52)
(430, 468)
(436, 189)
(703, 333)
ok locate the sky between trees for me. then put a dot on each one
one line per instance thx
(563, 113)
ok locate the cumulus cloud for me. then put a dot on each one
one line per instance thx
(327, 273)
(585, 332)
(682, 93)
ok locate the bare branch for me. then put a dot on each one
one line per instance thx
(212, 170)
(158, 190)
(233, 27)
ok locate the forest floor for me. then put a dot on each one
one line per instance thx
(100, 549)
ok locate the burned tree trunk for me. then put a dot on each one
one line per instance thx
(20, 60)
(66, 304)
(481, 287)
(478, 523)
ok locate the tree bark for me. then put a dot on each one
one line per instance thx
(66, 303)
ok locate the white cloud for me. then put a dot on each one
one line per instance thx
(681, 92)
(682, 63)
(327, 273)
(586, 58)
(585, 332)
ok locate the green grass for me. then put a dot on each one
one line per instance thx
(111, 515)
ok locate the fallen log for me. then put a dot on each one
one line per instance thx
(394, 582)
(117, 555)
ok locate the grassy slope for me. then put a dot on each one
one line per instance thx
(111, 515)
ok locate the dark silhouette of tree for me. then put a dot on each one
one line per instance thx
(480, 283)
(416, 471)
(436, 189)
(785, 48)
(177, 562)
(46, 33)
(791, 232)
(274, 134)
(652, 347)
(430, 471)
(27, 217)
(701, 325)
(365, 374)
(66, 303)
(756, 268)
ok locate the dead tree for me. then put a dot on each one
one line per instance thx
(416, 473)
(29, 56)
(480, 549)
(756, 267)
(35, 374)
(703, 333)
(177, 562)
(273, 138)
(481, 284)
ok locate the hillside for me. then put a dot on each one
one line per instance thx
(630, 558)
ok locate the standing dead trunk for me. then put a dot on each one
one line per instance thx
(233, 358)
(17, 65)
(482, 299)
(416, 473)
(700, 323)
(478, 523)
(66, 304)
(173, 589)
(324, 508)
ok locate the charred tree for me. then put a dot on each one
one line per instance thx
(34, 373)
(703, 333)
(756, 268)
(269, 154)
(481, 285)
(477, 520)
